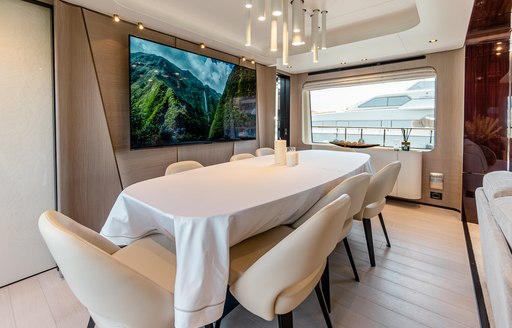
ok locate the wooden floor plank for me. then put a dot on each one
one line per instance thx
(6, 313)
(29, 305)
(66, 310)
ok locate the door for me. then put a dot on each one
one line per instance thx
(27, 165)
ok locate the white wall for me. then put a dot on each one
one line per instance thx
(27, 166)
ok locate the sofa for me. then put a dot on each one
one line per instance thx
(494, 208)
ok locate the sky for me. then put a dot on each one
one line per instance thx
(211, 72)
(341, 98)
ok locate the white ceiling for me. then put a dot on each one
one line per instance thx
(374, 29)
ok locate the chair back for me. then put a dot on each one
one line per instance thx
(299, 257)
(182, 166)
(114, 294)
(382, 183)
(241, 156)
(355, 187)
(264, 151)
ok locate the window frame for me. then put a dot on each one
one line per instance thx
(374, 78)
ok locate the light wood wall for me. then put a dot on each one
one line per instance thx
(93, 113)
(447, 156)
(87, 175)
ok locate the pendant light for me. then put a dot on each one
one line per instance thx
(248, 27)
(277, 7)
(285, 33)
(273, 34)
(314, 34)
(261, 10)
(323, 41)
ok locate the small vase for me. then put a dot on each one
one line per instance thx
(406, 145)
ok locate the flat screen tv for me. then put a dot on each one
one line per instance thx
(179, 97)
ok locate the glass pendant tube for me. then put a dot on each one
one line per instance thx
(273, 34)
(248, 28)
(277, 7)
(323, 42)
(261, 10)
(285, 33)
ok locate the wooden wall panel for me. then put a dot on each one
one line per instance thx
(88, 180)
(266, 100)
(109, 44)
(447, 156)
(248, 146)
(207, 154)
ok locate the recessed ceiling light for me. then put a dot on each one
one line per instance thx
(202, 46)
(140, 26)
(116, 18)
(248, 3)
(432, 40)
(243, 58)
(343, 63)
(364, 59)
(289, 66)
(253, 61)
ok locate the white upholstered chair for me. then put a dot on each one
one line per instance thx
(120, 287)
(241, 156)
(356, 188)
(274, 272)
(264, 151)
(381, 185)
(182, 166)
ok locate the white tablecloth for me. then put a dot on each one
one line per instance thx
(208, 210)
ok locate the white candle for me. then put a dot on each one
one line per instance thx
(292, 158)
(280, 152)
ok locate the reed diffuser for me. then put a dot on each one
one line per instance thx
(406, 145)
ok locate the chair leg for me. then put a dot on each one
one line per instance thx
(321, 300)
(91, 323)
(326, 286)
(217, 323)
(381, 219)
(285, 320)
(367, 224)
(351, 259)
(210, 325)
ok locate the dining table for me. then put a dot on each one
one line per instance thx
(210, 209)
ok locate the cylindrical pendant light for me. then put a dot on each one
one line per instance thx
(323, 42)
(248, 3)
(314, 29)
(248, 27)
(285, 32)
(277, 7)
(314, 34)
(296, 12)
(273, 34)
(303, 26)
(261, 10)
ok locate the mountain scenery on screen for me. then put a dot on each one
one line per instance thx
(181, 97)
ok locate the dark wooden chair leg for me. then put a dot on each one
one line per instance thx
(321, 300)
(217, 323)
(326, 286)
(381, 219)
(285, 320)
(351, 259)
(367, 224)
(91, 323)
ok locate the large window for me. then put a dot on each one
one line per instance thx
(374, 109)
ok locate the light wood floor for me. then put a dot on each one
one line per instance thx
(423, 280)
